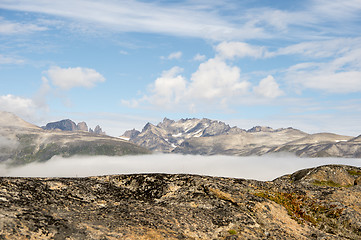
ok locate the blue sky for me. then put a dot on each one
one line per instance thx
(121, 64)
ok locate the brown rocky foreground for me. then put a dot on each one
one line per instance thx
(317, 203)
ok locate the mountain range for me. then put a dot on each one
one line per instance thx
(210, 137)
(23, 142)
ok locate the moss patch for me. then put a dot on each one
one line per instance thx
(354, 172)
(328, 183)
(303, 209)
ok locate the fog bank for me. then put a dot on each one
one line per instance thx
(260, 168)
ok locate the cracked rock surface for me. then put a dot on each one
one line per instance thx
(316, 203)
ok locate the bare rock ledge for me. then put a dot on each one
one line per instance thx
(316, 203)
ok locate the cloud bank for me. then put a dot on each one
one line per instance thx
(217, 81)
(259, 168)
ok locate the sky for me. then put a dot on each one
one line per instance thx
(121, 64)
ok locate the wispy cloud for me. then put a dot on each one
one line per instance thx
(173, 55)
(136, 16)
(10, 60)
(199, 57)
(122, 52)
(335, 68)
(230, 50)
(12, 28)
(199, 19)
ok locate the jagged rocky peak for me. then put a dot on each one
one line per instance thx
(64, 125)
(69, 125)
(82, 126)
(97, 130)
(236, 130)
(216, 128)
(131, 133)
(147, 126)
(261, 129)
(166, 123)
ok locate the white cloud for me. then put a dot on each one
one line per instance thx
(215, 80)
(168, 89)
(67, 78)
(268, 88)
(11, 28)
(173, 55)
(199, 57)
(24, 107)
(230, 50)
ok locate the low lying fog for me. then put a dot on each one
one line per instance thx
(259, 168)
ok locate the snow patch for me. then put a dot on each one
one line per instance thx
(124, 138)
(177, 135)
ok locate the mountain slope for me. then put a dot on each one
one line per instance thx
(23, 142)
(316, 203)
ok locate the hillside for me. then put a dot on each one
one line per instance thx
(23, 142)
(210, 137)
(316, 203)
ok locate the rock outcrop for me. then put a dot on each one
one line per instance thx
(69, 125)
(82, 126)
(64, 125)
(308, 204)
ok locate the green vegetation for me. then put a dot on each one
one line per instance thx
(302, 209)
(232, 232)
(293, 204)
(329, 183)
(354, 172)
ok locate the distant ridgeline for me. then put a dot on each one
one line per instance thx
(211, 137)
(69, 125)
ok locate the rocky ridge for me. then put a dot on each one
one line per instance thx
(316, 203)
(209, 137)
(69, 125)
(22, 142)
